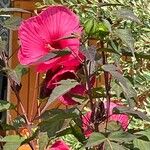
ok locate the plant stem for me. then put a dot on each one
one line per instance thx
(34, 96)
(88, 86)
(107, 85)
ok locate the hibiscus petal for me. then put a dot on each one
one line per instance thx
(59, 145)
(47, 28)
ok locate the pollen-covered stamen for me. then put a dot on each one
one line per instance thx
(49, 47)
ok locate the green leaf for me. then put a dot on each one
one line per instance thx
(63, 88)
(43, 140)
(127, 14)
(55, 120)
(12, 142)
(141, 144)
(53, 54)
(76, 131)
(113, 126)
(20, 70)
(127, 87)
(60, 113)
(113, 146)
(126, 37)
(135, 113)
(121, 136)
(98, 92)
(51, 126)
(62, 52)
(90, 26)
(146, 133)
(6, 127)
(13, 76)
(18, 122)
(95, 139)
(5, 105)
(12, 23)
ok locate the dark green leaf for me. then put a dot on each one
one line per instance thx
(56, 120)
(76, 131)
(53, 54)
(63, 88)
(46, 57)
(62, 52)
(18, 122)
(124, 83)
(135, 113)
(95, 139)
(60, 113)
(6, 127)
(127, 14)
(51, 126)
(126, 36)
(121, 136)
(113, 146)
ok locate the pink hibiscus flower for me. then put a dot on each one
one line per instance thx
(123, 119)
(55, 75)
(59, 145)
(46, 32)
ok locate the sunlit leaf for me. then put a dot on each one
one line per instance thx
(10, 140)
(141, 144)
(43, 140)
(91, 26)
